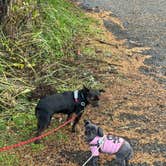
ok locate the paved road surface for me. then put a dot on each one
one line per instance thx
(145, 22)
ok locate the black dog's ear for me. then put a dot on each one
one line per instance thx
(86, 122)
(85, 88)
(100, 132)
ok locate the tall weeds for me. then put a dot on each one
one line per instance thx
(33, 37)
(38, 42)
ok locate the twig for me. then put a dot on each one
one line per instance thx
(104, 42)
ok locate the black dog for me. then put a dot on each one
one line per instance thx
(107, 144)
(66, 103)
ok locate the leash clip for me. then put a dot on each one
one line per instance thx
(83, 104)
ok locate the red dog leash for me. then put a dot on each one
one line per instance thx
(5, 148)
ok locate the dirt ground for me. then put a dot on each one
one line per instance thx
(133, 106)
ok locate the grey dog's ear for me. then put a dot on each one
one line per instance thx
(86, 122)
(100, 132)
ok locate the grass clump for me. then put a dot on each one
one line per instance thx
(9, 160)
(66, 24)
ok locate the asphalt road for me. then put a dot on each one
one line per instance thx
(145, 22)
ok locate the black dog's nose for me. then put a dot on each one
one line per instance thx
(102, 90)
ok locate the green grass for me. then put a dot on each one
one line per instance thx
(33, 44)
(35, 47)
(32, 40)
(9, 160)
(63, 25)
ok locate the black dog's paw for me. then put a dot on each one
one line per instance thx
(73, 130)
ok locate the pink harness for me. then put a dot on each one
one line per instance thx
(110, 144)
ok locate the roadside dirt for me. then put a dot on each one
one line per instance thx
(133, 106)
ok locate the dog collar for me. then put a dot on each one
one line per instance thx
(76, 98)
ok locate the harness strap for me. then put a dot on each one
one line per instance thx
(100, 142)
(94, 144)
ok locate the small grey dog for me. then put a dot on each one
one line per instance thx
(107, 144)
